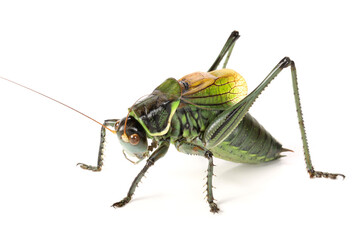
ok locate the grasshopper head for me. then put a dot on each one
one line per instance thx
(134, 140)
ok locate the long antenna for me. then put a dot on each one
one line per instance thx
(57, 102)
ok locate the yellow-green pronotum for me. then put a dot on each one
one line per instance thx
(203, 113)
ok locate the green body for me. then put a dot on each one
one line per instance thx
(168, 114)
(205, 114)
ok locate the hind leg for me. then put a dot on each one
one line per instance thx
(222, 126)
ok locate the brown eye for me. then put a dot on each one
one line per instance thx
(117, 125)
(134, 139)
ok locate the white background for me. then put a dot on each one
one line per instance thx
(101, 56)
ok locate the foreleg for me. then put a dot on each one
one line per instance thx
(156, 155)
(97, 168)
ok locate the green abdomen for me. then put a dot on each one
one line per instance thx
(249, 143)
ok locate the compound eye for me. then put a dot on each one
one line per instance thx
(117, 125)
(134, 139)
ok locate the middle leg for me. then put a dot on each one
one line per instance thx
(190, 148)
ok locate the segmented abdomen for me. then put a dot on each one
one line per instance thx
(249, 143)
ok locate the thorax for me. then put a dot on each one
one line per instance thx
(190, 122)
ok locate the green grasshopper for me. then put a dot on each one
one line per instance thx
(205, 114)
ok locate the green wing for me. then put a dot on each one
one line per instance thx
(216, 90)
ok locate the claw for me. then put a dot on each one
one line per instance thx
(121, 203)
(338, 174)
(82, 165)
(88, 167)
(214, 208)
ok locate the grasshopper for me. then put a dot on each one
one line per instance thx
(205, 114)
